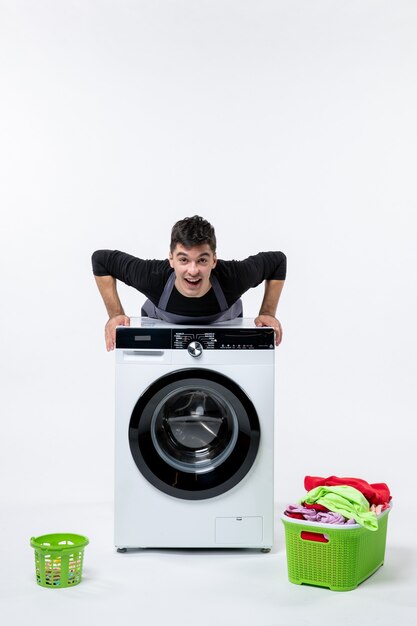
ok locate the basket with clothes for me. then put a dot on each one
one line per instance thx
(336, 534)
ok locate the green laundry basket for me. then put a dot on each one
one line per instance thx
(59, 559)
(338, 557)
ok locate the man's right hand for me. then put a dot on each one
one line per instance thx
(110, 330)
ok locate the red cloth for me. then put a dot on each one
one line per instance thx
(316, 506)
(376, 493)
(309, 536)
(295, 515)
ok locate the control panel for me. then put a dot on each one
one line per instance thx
(217, 339)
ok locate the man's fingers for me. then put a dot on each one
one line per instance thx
(110, 330)
(109, 340)
(270, 320)
(278, 336)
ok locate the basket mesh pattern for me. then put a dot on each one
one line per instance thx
(62, 570)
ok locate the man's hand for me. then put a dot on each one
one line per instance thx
(268, 308)
(270, 320)
(110, 329)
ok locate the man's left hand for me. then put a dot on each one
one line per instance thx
(270, 320)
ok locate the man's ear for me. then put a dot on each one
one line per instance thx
(214, 261)
(170, 259)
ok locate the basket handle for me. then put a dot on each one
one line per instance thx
(307, 535)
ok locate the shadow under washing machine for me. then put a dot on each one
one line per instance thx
(194, 435)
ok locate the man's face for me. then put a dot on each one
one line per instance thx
(192, 267)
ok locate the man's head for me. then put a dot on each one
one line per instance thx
(193, 255)
(193, 231)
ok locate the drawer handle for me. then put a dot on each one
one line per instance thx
(139, 353)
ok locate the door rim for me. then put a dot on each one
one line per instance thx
(192, 485)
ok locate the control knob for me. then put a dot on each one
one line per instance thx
(195, 348)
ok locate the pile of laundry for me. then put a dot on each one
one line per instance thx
(335, 500)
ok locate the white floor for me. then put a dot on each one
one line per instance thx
(198, 587)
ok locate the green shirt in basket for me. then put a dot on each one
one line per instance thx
(345, 500)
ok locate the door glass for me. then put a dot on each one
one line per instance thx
(194, 429)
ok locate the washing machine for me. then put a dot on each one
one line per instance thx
(194, 457)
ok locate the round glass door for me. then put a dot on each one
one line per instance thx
(194, 429)
(194, 434)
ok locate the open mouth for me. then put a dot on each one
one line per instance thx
(193, 282)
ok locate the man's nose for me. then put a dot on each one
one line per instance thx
(193, 269)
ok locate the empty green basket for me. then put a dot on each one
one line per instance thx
(338, 557)
(59, 559)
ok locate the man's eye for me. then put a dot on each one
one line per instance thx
(204, 261)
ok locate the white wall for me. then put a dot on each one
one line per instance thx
(289, 125)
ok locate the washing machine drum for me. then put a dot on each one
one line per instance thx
(194, 434)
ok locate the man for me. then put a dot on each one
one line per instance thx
(192, 286)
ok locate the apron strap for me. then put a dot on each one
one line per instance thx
(218, 292)
(169, 286)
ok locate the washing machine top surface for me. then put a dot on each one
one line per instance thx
(238, 322)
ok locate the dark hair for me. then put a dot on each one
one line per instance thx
(193, 231)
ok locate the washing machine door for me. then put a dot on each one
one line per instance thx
(194, 434)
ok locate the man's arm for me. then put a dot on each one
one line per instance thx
(108, 291)
(266, 317)
(145, 276)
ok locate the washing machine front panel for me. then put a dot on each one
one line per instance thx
(194, 433)
(194, 429)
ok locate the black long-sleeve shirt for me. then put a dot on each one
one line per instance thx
(150, 276)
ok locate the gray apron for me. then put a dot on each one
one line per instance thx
(160, 313)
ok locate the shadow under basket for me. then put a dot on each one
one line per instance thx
(59, 559)
(338, 557)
